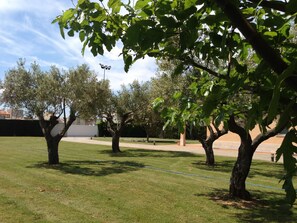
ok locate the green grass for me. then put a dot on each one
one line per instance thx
(92, 185)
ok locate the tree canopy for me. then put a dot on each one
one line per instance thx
(244, 46)
(53, 95)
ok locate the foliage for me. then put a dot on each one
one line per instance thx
(53, 91)
(51, 95)
(131, 104)
(287, 150)
(214, 37)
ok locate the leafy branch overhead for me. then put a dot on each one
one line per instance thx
(239, 51)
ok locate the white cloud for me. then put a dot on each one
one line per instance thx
(42, 8)
(26, 32)
(114, 54)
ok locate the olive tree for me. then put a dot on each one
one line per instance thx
(130, 104)
(51, 96)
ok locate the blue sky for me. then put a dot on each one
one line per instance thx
(26, 32)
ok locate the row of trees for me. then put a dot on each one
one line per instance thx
(242, 53)
(58, 96)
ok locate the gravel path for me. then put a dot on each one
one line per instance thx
(221, 148)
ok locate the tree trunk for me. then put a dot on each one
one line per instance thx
(210, 160)
(243, 163)
(116, 143)
(240, 171)
(52, 149)
(53, 141)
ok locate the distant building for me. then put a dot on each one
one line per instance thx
(16, 113)
(5, 114)
(81, 121)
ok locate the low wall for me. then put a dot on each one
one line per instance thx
(77, 130)
(11, 127)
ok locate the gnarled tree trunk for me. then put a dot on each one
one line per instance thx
(53, 141)
(243, 163)
(207, 143)
(246, 151)
(210, 159)
(52, 149)
(116, 142)
(115, 129)
(241, 170)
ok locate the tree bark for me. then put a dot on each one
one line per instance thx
(243, 163)
(208, 149)
(207, 143)
(246, 151)
(53, 141)
(52, 148)
(116, 129)
(210, 159)
(241, 170)
(116, 143)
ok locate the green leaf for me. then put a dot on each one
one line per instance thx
(290, 190)
(177, 95)
(133, 34)
(94, 51)
(285, 116)
(84, 46)
(82, 36)
(249, 11)
(270, 33)
(272, 110)
(287, 149)
(62, 30)
(154, 35)
(166, 124)
(71, 33)
(185, 14)
(285, 30)
(141, 4)
(291, 7)
(81, 2)
(115, 5)
(190, 3)
(157, 103)
(178, 69)
(169, 22)
(128, 62)
(67, 15)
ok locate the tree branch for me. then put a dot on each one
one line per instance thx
(235, 128)
(256, 40)
(276, 5)
(197, 65)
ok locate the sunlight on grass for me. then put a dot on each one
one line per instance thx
(93, 185)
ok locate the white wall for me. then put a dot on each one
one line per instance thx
(77, 130)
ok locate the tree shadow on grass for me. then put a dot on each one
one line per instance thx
(93, 168)
(148, 153)
(263, 207)
(220, 166)
(260, 168)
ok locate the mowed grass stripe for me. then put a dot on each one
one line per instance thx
(92, 185)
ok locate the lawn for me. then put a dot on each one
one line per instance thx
(92, 185)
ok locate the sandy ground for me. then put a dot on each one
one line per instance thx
(221, 148)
